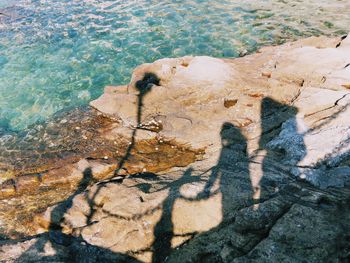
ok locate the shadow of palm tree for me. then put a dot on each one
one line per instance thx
(143, 86)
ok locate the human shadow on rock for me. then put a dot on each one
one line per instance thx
(57, 214)
(282, 143)
(231, 173)
(55, 230)
(69, 248)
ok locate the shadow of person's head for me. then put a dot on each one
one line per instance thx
(231, 135)
(87, 179)
(272, 115)
(234, 146)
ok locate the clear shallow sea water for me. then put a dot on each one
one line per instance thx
(58, 54)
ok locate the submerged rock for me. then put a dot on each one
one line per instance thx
(198, 159)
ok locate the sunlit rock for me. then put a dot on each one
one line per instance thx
(197, 159)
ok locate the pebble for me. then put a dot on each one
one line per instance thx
(266, 74)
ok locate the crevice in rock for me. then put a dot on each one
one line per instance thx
(328, 108)
(299, 93)
(341, 39)
(265, 235)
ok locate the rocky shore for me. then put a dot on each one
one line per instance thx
(197, 159)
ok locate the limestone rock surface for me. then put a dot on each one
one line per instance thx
(253, 165)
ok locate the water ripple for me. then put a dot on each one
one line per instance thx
(55, 54)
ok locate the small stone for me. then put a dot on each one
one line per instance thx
(8, 191)
(228, 103)
(243, 52)
(266, 74)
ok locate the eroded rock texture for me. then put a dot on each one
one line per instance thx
(200, 160)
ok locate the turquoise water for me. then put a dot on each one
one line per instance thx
(58, 54)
